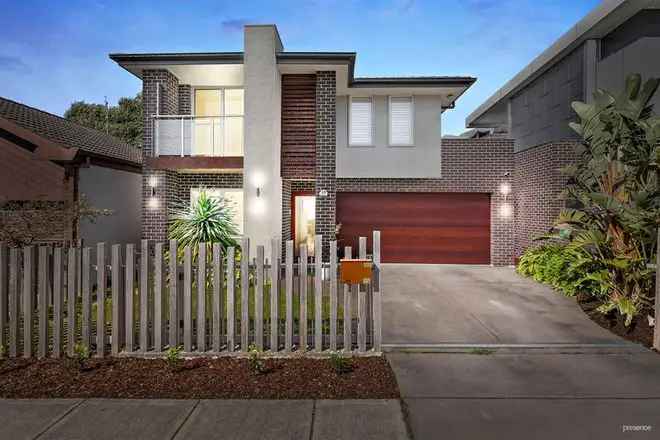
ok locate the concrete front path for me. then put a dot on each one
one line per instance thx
(431, 304)
(106, 419)
(530, 395)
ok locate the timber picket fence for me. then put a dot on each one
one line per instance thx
(119, 300)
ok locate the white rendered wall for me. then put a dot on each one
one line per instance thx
(261, 166)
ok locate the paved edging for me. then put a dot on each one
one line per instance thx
(540, 348)
(103, 419)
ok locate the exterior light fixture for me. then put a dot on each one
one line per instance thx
(153, 201)
(505, 188)
(258, 192)
(506, 210)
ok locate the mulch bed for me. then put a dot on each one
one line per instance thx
(199, 378)
(638, 331)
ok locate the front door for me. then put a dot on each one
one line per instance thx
(303, 210)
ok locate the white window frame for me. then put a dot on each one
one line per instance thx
(371, 142)
(412, 121)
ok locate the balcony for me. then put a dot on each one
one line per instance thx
(185, 141)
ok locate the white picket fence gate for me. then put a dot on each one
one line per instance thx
(149, 302)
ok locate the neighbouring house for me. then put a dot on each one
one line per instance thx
(617, 38)
(302, 147)
(47, 162)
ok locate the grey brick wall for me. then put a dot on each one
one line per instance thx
(537, 185)
(468, 165)
(197, 180)
(185, 98)
(160, 88)
(326, 121)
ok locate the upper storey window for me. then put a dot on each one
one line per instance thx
(401, 121)
(361, 125)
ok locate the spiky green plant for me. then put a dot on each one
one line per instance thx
(207, 220)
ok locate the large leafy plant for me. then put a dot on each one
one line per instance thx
(206, 220)
(615, 195)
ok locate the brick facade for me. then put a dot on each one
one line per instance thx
(537, 183)
(160, 95)
(214, 180)
(468, 165)
(326, 122)
(185, 99)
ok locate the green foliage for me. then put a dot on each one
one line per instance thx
(81, 355)
(3, 351)
(567, 270)
(123, 121)
(616, 197)
(173, 356)
(207, 220)
(341, 364)
(255, 361)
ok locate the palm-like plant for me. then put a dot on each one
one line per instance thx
(616, 193)
(206, 220)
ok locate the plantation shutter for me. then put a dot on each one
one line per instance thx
(401, 123)
(361, 124)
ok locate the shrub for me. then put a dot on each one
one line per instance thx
(615, 195)
(207, 220)
(173, 357)
(255, 361)
(568, 270)
(81, 355)
(341, 364)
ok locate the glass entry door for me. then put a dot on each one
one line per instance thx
(304, 221)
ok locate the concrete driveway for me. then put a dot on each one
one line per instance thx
(432, 304)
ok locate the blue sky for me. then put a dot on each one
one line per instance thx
(55, 52)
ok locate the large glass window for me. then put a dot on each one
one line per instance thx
(218, 122)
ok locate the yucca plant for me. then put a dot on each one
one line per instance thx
(206, 220)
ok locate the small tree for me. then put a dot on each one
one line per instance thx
(616, 195)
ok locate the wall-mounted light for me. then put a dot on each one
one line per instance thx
(153, 201)
(505, 188)
(506, 210)
(258, 192)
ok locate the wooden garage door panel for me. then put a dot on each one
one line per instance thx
(419, 227)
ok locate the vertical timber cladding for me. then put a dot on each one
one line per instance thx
(298, 126)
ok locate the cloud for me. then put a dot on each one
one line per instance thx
(13, 64)
(234, 24)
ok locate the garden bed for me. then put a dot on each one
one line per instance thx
(198, 378)
(638, 331)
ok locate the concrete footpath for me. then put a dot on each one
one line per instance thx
(614, 394)
(106, 419)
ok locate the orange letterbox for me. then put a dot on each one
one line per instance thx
(355, 271)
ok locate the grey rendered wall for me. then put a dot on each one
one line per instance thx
(639, 57)
(540, 113)
(381, 160)
(119, 191)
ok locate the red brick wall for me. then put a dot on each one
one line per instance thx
(468, 165)
(537, 184)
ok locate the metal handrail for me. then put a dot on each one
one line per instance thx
(184, 147)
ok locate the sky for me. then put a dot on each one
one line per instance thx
(55, 52)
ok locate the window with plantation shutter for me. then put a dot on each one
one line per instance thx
(361, 121)
(401, 121)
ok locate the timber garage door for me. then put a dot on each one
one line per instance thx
(419, 227)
